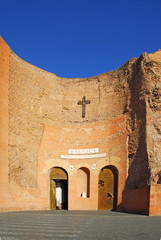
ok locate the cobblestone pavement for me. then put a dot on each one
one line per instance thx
(78, 225)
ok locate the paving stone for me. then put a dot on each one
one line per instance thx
(78, 225)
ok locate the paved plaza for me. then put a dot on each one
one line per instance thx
(78, 225)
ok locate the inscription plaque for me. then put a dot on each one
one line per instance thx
(83, 156)
(83, 151)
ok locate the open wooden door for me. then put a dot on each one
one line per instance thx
(52, 194)
(58, 188)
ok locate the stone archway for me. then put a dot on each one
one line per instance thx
(107, 188)
(58, 188)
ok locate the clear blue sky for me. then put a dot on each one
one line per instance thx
(80, 38)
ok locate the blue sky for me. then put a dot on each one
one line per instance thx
(78, 38)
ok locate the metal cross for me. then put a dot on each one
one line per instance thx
(83, 103)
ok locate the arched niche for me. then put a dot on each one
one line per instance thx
(83, 182)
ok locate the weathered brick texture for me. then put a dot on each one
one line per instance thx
(40, 120)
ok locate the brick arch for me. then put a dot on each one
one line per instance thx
(112, 161)
(61, 173)
(51, 163)
(113, 168)
(80, 165)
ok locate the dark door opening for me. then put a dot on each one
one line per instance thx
(58, 189)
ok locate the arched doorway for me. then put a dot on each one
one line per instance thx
(107, 188)
(58, 189)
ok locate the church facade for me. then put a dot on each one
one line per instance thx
(80, 144)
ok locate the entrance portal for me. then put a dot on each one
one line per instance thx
(58, 189)
(107, 188)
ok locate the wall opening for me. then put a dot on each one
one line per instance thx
(83, 182)
(58, 189)
(107, 188)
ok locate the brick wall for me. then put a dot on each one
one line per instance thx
(155, 199)
(4, 84)
(40, 120)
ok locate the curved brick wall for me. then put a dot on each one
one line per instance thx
(4, 119)
(45, 121)
(39, 98)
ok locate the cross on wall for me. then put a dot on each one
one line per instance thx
(83, 102)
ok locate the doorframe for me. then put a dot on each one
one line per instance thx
(116, 175)
(52, 178)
